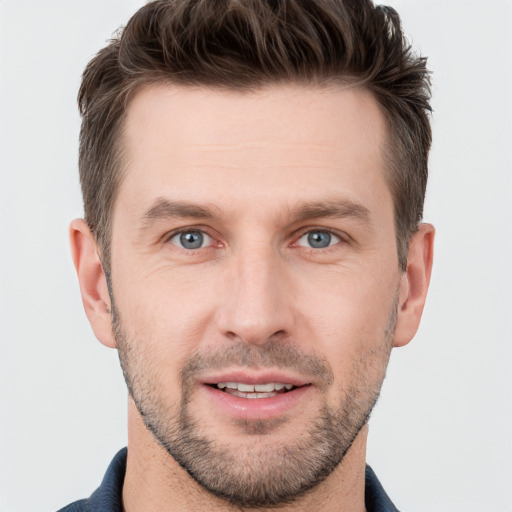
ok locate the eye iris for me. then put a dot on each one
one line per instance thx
(319, 239)
(191, 239)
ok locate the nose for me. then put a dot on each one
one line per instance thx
(256, 302)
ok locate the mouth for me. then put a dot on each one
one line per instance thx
(254, 391)
(247, 395)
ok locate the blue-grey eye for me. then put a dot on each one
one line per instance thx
(318, 239)
(191, 240)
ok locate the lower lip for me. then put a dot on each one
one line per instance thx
(256, 408)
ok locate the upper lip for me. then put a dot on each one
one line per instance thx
(255, 377)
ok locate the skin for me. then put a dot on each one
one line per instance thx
(261, 163)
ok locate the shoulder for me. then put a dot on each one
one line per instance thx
(376, 499)
(108, 496)
(77, 506)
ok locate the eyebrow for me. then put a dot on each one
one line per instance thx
(343, 208)
(338, 209)
(165, 209)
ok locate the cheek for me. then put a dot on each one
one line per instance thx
(346, 304)
(349, 317)
(167, 311)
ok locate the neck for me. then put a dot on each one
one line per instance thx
(154, 481)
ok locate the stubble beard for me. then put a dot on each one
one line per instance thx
(258, 473)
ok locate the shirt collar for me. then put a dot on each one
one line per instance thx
(109, 495)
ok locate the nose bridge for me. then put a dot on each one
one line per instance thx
(255, 306)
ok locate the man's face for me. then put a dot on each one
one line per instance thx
(253, 251)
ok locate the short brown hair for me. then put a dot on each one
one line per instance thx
(244, 45)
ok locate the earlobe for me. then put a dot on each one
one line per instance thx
(414, 284)
(93, 283)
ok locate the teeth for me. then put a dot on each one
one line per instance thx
(235, 392)
(255, 388)
(265, 388)
(260, 395)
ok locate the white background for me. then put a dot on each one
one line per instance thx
(440, 436)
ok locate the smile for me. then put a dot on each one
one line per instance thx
(242, 394)
(266, 390)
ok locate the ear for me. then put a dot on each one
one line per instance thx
(93, 283)
(414, 284)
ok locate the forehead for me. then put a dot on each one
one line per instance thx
(284, 141)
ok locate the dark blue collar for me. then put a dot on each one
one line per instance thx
(375, 497)
(108, 497)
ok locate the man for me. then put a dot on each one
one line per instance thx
(253, 175)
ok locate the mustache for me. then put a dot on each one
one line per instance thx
(284, 355)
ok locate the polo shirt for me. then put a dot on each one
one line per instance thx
(108, 496)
